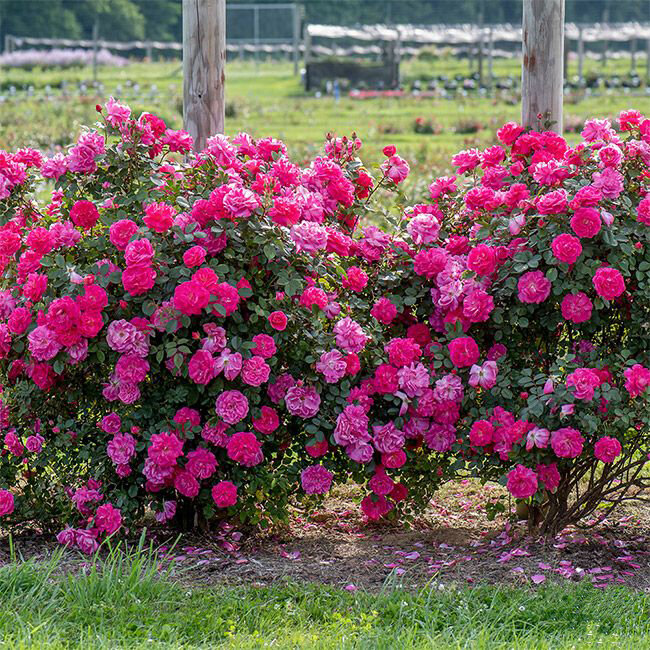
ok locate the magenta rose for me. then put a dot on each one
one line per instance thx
(522, 482)
(567, 442)
(607, 449)
(232, 406)
(316, 479)
(245, 449)
(224, 494)
(576, 307)
(566, 248)
(586, 222)
(609, 283)
(463, 351)
(533, 287)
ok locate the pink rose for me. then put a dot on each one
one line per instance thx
(202, 367)
(159, 216)
(482, 260)
(384, 311)
(566, 248)
(637, 379)
(586, 222)
(111, 423)
(533, 287)
(194, 256)
(232, 406)
(584, 381)
(201, 463)
(185, 482)
(137, 280)
(567, 442)
(607, 449)
(255, 371)
(302, 401)
(522, 482)
(609, 283)
(6, 503)
(84, 214)
(191, 298)
(268, 421)
(224, 494)
(576, 307)
(463, 351)
(549, 476)
(316, 479)
(278, 320)
(108, 519)
(481, 433)
(245, 449)
(139, 252)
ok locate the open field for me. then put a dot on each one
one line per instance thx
(267, 100)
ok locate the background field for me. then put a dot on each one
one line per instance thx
(46, 109)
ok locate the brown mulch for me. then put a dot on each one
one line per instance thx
(452, 543)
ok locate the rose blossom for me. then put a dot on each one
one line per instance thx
(566, 248)
(576, 307)
(522, 482)
(332, 366)
(567, 442)
(316, 479)
(232, 406)
(224, 494)
(586, 222)
(278, 320)
(609, 283)
(533, 287)
(302, 401)
(255, 371)
(607, 449)
(349, 335)
(245, 449)
(463, 351)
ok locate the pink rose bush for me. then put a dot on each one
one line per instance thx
(230, 331)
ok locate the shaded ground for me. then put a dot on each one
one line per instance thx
(453, 543)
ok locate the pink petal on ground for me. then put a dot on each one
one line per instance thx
(413, 555)
(350, 587)
(538, 578)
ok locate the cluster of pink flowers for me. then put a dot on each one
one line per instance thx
(241, 324)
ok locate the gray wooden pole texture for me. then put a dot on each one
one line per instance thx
(204, 68)
(542, 78)
(581, 55)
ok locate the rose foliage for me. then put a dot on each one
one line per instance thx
(216, 336)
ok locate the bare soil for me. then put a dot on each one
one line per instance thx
(454, 542)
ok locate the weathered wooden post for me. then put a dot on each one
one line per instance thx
(542, 79)
(581, 55)
(204, 68)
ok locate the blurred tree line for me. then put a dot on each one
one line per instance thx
(161, 19)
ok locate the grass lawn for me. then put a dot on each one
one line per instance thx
(127, 604)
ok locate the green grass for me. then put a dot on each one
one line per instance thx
(124, 603)
(268, 100)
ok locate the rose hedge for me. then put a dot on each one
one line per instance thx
(216, 336)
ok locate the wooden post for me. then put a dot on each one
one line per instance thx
(542, 81)
(633, 55)
(490, 58)
(481, 18)
(647, 61)
(581, 55)
(95, 46)
(605, 45)
(204, 68)
(296, 39)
